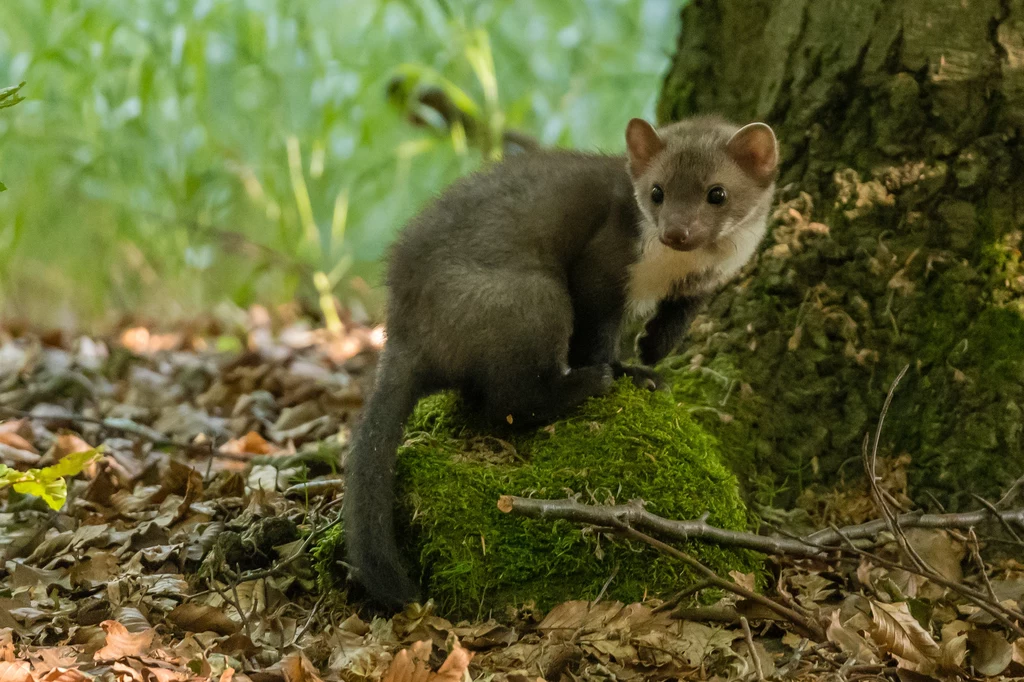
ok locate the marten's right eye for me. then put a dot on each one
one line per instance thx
(657, 194)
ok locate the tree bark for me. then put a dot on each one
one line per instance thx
(897, 240)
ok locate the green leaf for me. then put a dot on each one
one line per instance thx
(49, 482)
(71, 465)
(54, 493)
(9, 96)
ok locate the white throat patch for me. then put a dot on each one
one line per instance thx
(661, 272)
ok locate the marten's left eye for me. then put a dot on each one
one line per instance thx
(657, 194)
(716, 195)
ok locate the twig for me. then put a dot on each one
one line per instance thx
(813, 546)
(234, 603)
(678, 597)
(976, 555)
(750, 645)
(1011, 494)
(993, 508)
(317, 487)
(309, 621)
(871, 529)
(604, 588)
(808, 626)
(635, 515)
(877, 494)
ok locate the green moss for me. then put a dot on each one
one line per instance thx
(327, 552)
(632, 444)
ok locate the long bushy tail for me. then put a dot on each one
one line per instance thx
(369, 502)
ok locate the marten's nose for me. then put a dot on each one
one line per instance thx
(679, 238)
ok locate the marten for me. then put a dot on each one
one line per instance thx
(512, 286)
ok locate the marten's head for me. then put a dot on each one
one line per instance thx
(698, 181)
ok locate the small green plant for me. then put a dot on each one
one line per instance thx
(49, 482)
(8, 98)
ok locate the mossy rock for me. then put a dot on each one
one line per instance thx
(632, 444)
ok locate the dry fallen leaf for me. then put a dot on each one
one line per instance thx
(898, 632)
(64, 675)
(413, 665)
(69, 443)
(990, 652)
(15, 671)
(9, 436)
(193, 617)
(251, 443)
(746, 580)
(298, 668)
(849, 640)
(121, 643)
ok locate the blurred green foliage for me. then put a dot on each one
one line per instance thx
(8, 98)
(173, 154)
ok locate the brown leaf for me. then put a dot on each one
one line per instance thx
(173, 482)
(410, 665)
(952, 653)
(486, 635)
(9, 436)
(990, 652)
(297, 668)
(743, 579)
(849, 641)
(64, 675)
(121, 643)
(570, 616)
(899, 633)
(132, 619)
(697, 641)
(54, 657)
(69, 443)
(194, 617)
(159, 674)
(454, 667)
(238, 643)
(413, 665)
(12, 456)
(15, 671)
(6, 645)
(940, 550)
(251, 443)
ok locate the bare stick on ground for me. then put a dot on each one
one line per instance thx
(814, 546)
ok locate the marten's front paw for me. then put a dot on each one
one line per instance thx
(643, 377)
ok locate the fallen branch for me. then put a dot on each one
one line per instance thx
(813, 546)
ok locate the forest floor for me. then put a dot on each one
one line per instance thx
(187, 546)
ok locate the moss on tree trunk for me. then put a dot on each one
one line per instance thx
(897, 241)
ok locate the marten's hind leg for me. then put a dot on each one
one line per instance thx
(538, 398)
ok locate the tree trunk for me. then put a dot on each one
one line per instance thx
(897, 241)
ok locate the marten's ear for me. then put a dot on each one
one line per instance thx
(755, 149)
(642, 144)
